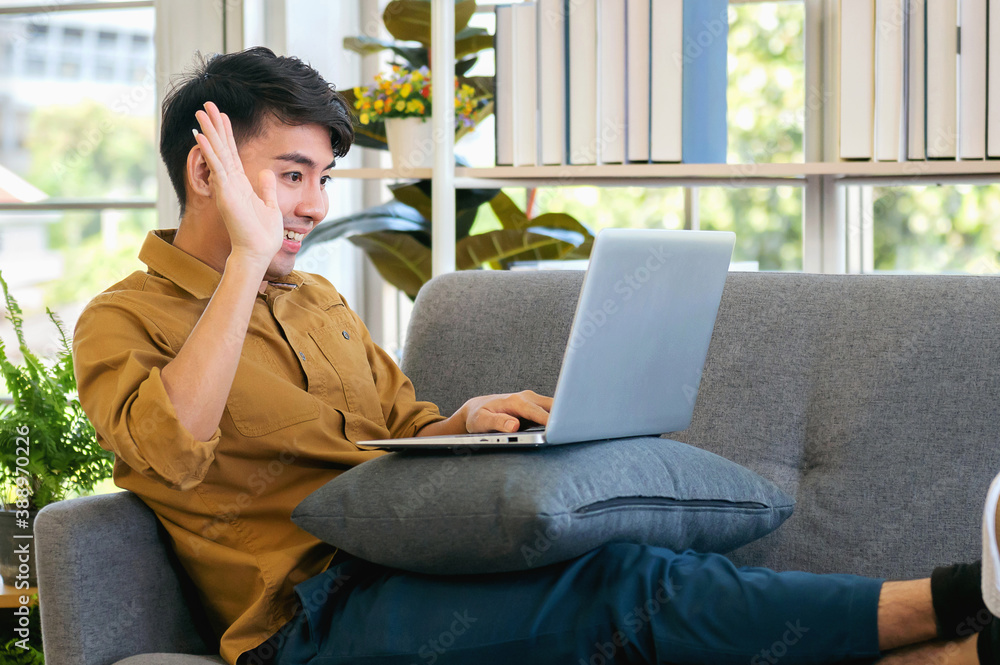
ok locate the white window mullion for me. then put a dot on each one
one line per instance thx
(177, 39)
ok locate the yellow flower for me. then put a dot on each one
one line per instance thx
(364, 118)
(400, 105)
(467, 89)
(417, 77)
(406, 90)
(378, 104)
(414, 105)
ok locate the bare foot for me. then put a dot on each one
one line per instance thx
(938, 652)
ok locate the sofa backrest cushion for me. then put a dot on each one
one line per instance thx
(870, 399)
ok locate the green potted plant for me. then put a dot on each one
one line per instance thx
(409, 23)
(396, 235)
(403, 98)
(48, 448)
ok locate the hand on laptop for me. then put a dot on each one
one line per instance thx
(494, 413)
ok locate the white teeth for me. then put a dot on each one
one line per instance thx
(292, 235)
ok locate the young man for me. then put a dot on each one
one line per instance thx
(230, 386)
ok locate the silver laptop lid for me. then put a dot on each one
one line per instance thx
(640, 334)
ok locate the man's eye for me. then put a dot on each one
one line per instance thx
(295, 176)
(324, 180)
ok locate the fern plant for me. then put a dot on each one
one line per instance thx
(18, 651)
(63, 453)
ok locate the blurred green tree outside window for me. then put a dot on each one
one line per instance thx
(936, 229)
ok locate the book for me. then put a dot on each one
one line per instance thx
(890, 16)
(942, 79)
(993, 86)
(916, 70)
(666, 69)
(972, 79)
(705, 81)
(611, 75)
(525, 85)
(504, 83)
(637, 85)
(552, 81)
(857, 79)
(582, 51)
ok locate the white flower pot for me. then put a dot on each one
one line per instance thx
(411, 142)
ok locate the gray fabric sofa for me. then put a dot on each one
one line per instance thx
(871, 399)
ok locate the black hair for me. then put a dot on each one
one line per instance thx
(248, 86)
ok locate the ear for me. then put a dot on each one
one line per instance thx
(197, 173)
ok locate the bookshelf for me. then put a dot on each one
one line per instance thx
(755, 175)
(837, 194)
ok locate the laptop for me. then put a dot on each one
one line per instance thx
(637, 346)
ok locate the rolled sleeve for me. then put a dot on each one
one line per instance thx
(118, 356)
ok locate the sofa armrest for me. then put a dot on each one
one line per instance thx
(109, 585)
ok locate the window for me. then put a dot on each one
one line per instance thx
(37, 33)
(73, 37)
(107, 40)
(78, 158)
(929, 229)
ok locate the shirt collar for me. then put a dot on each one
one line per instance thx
(189, 273)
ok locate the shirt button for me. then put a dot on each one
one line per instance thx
(346, 336)
(302, 355)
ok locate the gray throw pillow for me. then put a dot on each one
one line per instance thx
(454, 512)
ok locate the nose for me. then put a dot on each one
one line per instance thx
(313, 204)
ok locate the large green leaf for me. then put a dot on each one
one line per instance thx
(560, 220)
(581, 252)
(467, 202)
(415, 56)
(410, 20)
(496, 246)
(401, 259)
(413, 195)
(557, 225)
(470, 31)
(366, 45)
(391, 216)
(510, 216)
(472, 44)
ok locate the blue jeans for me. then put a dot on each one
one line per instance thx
(621, 603)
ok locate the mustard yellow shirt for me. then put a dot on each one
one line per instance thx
(310, 383)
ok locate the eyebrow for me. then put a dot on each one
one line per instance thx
(299, 158)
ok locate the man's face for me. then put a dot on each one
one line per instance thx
(301, 158)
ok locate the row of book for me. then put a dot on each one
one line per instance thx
(611, 81)
(919, 79)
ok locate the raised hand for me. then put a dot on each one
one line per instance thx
(254, 222)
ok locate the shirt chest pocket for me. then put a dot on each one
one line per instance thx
(261, 400)
(352, 379)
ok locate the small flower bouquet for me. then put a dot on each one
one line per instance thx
(406, 93)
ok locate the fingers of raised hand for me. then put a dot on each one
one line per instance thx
(233, 150)
(213, 126)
